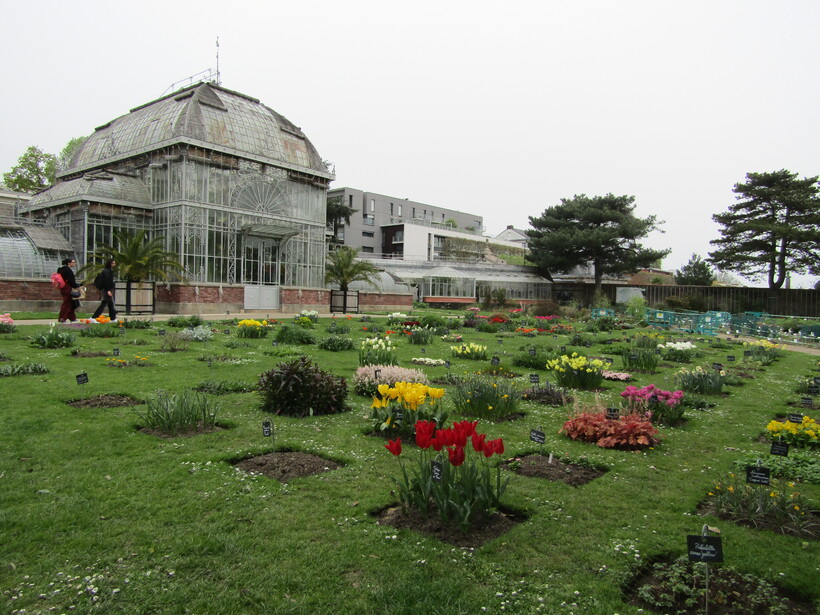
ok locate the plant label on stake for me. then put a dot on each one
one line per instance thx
(613, 414)
(758, 475)
(82, 380)
(267, 428)
(436, 470)
(227, 331)
(780, 448)
(730, 358)
(806, 402)
(161, 332)
(705, 548)
(116, 352)
(535, 379)
(532, 352)
(495, 361)
(538, 436)
(447, 363)
(796, 417)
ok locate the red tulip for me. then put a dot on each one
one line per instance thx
(394, 446)
(499, 446)
(424, 433)
(456, 455)
(478, 442)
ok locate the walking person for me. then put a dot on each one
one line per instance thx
(69, 303)
(105, 283)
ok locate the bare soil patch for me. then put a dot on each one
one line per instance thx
(482, 532)
(286, 465)
(538, 466)
(109, 400)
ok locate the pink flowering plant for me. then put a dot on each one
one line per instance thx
(617, 376)
(464, 491)
(6, 323)
(658, 405)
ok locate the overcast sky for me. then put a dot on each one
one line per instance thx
(499, 109)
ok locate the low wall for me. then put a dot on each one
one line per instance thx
(27, 295)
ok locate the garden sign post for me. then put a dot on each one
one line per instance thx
(705, 548)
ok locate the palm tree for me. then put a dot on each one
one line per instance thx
(138, 259)
(342, 268)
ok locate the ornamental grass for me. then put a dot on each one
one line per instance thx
(175, 414)
(484, 397)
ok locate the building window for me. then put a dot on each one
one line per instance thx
(367, 249)
(368, 234)
(391, 209)
(414, 212)
(398, 236)
(399, 212)
(369, 220)
(372, 205)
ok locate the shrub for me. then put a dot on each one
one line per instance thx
(336, 328)
(135, 323)
(299, 388)
(701, 381)
(377, 351)
(475, 352)
(577, 371)
(185, 321)
(778, 505)
(484, 397)
(252, 329)
(484, 326)
(290, 334)
(53, 338)
(803, 434)
(534, 357)
(173, 342)
(224, 387)
(397, 408)
(630, 432)
(199, 333)
(648, 340)
(336, 343)
(23, 369)
(177, 414)
(466, 492)
(420, 336)
(234, 344)
(660, 406)
(100, 331)
(604, 323)
(545, 308)
(636, 310)
(431, 321)
(367, 378)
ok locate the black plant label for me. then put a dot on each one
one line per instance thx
(436, 471)
(82, 378)
(705, 549)
(758, 475)
(780, 448)
(537, 436)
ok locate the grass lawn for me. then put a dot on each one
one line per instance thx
(98, 517)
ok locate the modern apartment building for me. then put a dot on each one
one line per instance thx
(441, 253)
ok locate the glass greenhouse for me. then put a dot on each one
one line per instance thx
(233, 188)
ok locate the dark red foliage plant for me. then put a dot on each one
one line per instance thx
(630, 432)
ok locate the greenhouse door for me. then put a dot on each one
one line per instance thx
(260, 273)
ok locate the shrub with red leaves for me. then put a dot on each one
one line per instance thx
(630, 432)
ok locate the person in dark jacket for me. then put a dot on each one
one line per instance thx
(69, 303)
(107, 291)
